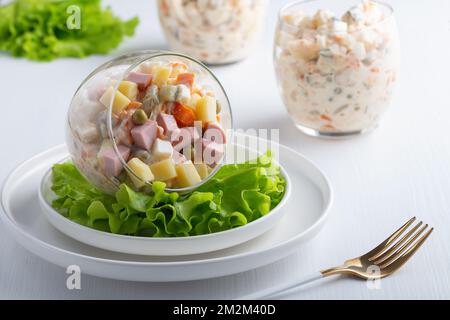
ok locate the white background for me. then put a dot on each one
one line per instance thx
(380, 180)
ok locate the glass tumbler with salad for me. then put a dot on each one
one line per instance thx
(149, 116)
(213, 31)
(336, 64)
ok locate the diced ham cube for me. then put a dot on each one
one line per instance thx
(88, 151)
(110, 162)
(123, 136)
(212, 152)
(167, 122)
(124, 152)
(144, 135)
(178, 157)
(143, 80)
(215, 133)
(184, 137)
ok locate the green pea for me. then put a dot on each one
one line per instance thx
(139, 117)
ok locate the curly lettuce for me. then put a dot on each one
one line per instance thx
(43, 30)
(236, 195)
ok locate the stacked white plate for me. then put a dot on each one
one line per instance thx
(56, 239)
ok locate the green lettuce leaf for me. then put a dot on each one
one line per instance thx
(236, 195)
(38, 29)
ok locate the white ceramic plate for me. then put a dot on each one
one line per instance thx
(306, 212)
(162, 246)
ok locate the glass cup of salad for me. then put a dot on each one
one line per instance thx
(336, 64)
(149, 116)
(213, 31)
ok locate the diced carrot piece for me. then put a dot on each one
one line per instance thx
(184, 116)
(179, 65)
(164, 8)
(325, 117)
(134, 105)
(123, 115)
(186, 79)
(337, 38)
(328, 126)
(197, 91)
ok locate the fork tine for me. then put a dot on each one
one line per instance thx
(381, 256)
(395, 265)
(389, 259)
(382, 246)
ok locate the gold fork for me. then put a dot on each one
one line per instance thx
(380, 262)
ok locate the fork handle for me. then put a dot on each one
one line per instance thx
(266, 293)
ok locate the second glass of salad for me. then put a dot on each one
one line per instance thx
(336, 64)
(213, 31)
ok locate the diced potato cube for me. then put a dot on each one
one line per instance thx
(162, 149)
(130, 89)
(141, 170)
(338, 27)
(120, 100)
(206, 109)
(161, 75)
(164, 170)
(183, 94)
(187, 175)
(202, 170)
(193, 101)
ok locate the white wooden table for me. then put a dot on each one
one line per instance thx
(401, 169)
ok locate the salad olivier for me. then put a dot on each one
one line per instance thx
(236, 195)
(336, 75)
(165, 126)
(213, 31)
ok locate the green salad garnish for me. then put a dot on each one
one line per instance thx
(235, 196)
(47, 29)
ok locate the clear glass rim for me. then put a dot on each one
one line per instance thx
(151, 54)
(292, 4)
